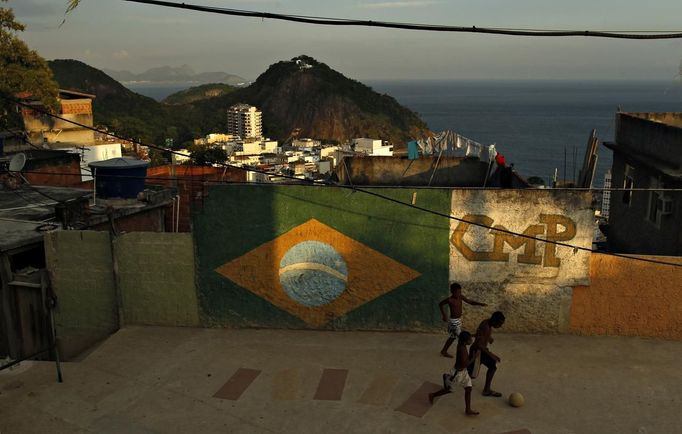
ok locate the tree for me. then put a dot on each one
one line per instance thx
(202, 155)
(22, 69)
(71, 5)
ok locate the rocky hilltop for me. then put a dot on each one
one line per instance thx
(307, 94)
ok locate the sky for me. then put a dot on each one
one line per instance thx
(121, 35)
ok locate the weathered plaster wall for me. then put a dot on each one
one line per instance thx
(81, 274)
(157, 279)
(629, 298)
(320, 257)
(434, 171)
(258, 261)
(529, 281)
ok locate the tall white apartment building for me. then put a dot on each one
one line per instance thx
(244, 121)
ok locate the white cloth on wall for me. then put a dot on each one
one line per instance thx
(451, 144)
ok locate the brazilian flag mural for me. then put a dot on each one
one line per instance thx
(321, 257)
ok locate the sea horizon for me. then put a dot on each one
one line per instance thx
(532, 122)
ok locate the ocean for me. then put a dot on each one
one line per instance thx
(533, 123)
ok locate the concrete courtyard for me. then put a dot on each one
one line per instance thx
(182, 380)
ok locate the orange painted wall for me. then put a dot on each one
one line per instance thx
(629, 298)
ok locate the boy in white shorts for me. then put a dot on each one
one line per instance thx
(455, 319)
(459, 374)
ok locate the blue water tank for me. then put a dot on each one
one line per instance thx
(119, 178)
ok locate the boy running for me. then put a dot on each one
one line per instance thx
(459, 374)
(480, 348)
(455, 322)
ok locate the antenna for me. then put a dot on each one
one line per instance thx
(17, 162)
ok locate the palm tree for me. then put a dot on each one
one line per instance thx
(71, 5)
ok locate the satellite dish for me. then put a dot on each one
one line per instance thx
(17, 162)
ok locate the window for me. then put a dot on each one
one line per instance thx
(655, 199)
(659, 204)
(628, 184)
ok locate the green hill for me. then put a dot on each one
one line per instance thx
(304, 93)
(123, 111)
(300, 93)
(198, 93)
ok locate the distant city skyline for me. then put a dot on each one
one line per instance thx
(120, 35)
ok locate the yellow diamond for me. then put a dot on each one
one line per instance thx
(316, 273)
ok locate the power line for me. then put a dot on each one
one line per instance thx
(198, 178)
(330, 21)
(361, 190)
(28, 142)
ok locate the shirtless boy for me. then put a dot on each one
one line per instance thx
(455, 321)
(459, 374)
(483, 339)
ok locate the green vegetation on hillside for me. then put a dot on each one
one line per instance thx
(198, 93)
(322, 102)
(125, 112)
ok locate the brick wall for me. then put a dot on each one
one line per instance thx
(629, 298)
(150, 220)
(192, 184)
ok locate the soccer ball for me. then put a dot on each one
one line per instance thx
(516, 399)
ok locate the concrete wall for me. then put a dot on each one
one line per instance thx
(157, 279)
(630, 230)
(81, 273)
(292, 256)
(652, 134)
(629, 298)
(324, 258)
(529, 281)
(320, 257)
(390, 171)
(54, 130)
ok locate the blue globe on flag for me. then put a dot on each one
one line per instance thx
(313, 273)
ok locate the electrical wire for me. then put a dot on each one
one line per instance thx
(28, 142)
(200, 178)
(22, 137)
(361, 190)
(330, 21)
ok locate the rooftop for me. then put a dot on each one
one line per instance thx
(665, 168)
(164, 379)
(25, 213)
(671, 119)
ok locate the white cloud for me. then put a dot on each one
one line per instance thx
(120, 55)
(399, 4)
